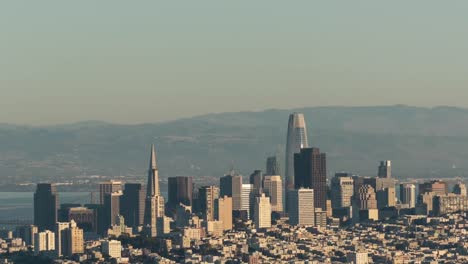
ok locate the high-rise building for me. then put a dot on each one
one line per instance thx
(26, 233)
(246, 198)
(408, 194)
(84, 217)
(154, 202)
(386, 198)
(111, 208)
(69, 239)
(358, 258)
(273, 166)
(223, 211)
(437, 186)
(342, 190)
(107, 188)
(44, 241)
(180, 191)
(256, 179)
(262, 212)
(385, 169)
(460, 188)
(301, 205)
(74, 240)
(296, 140)
(231, 186)
(273, 188)
(45, 206)
(310, 170)
(365, 204)
(207, 196)
(450, 203)
(112, 248)
(132, 204)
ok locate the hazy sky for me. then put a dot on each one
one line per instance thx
(148, 61)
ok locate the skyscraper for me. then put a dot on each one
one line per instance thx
(111, 209)
(180, 190)
(246, 198)
(45, 206)
(154, 204)
(273, 187)
(256, 179)
(262, 212)
(310, 170)
(223, 211)
(44, 241)
(385, 169)
(342, 190)
(408, 194)
(132, 204)
(296, 140)
(365, 204)
(231, 186)
(301, 205)
(207, 196)
(273, 166)
(437, 186)
(108, 187)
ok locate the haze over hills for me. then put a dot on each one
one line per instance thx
(420, 141)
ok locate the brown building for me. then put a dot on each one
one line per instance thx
(310, 171)
(180, 190)
(223, 211)
(108, 188)
(437, 186)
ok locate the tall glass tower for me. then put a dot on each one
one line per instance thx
(296, 140)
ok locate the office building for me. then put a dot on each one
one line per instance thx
(273, 188)
(45, 206)
(231, 186)
(296, 140)
(180, 191)
(107, 188)
(84, 217)
(302, 209)
(246, 199)
(365, 204)
(207, 196)
(437, 186)
(408, 194)
(342, 190)
(310, 170)
(386, 198)
(459, 188)
(112, 248)
(223, 211)
(273, 166)
(111, 208)
(154, 202)
(44, 242)
(320, 218)
(385, 169)
(132, 204)
(262, 212)
(26, 233)
(256, 179)
(450, 203)
(73, 240)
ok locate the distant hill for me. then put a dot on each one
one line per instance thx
(420, 141)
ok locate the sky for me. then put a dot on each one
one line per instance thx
(151, 61)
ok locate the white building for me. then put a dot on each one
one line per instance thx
(262, 212)
(408, 194)
(301, 207)
(246, 196)
(44, 241)
(273, 187)
(112, 248)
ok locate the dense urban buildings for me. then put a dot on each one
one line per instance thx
(354, 219)
(45, 206)
(296, 140)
